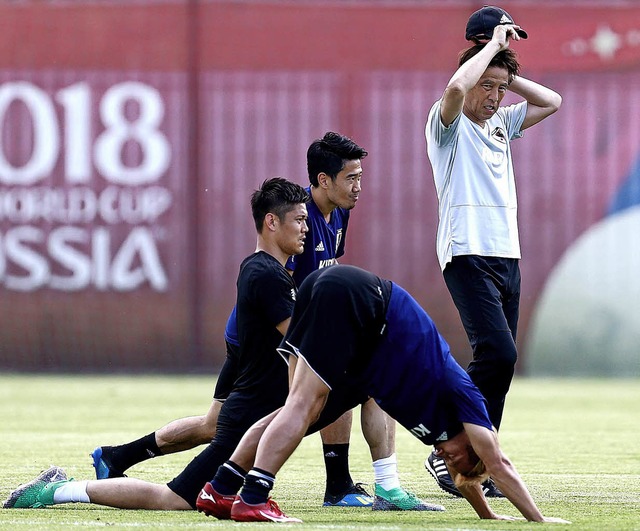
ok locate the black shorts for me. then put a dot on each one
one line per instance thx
(336, 323)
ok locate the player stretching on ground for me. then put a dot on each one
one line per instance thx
(265, 298)
(382, 344)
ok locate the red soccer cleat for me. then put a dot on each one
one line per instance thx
(263, 512)
(212, 503)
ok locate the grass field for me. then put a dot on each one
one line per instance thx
(575, 442)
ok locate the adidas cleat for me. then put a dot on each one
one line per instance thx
(38, 492)
(103, 465)
(399, 499)
(490, 490)
(438, 469)
(354, 496)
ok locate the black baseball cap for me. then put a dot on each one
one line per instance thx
(482, 22)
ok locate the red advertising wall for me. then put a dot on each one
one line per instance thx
(133, 134)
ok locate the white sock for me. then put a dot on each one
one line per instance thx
(73, 491)
(385, 472)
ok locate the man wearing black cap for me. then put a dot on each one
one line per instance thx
(481, 24)
(468, 143)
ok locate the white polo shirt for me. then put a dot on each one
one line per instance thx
(474, 180)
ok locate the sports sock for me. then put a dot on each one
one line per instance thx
(127, 455)
(385, 472)
(228, 479)
(257, 486)
(71, 491)
(336, 462)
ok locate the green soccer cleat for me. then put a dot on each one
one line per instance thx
(38, 492)
(399, 499)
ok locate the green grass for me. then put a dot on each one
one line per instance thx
(575, 442)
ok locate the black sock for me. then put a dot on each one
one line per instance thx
(228, 479)
(127, 455)
(336, 462)
(257, 486)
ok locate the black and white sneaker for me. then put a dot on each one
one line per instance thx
(438, 469)
(490, 490)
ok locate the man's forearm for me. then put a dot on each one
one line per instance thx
(509, 482)
(473, 494)
(470, 72)
(535, 93)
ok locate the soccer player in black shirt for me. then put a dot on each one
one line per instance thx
(265, 299)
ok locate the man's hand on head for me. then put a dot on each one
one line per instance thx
(504, 33)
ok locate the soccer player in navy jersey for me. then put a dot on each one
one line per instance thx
(334, 165)
(354, 335)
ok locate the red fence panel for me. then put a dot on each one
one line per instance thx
(133, 133)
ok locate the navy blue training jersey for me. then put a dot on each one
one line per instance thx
(416, 380)
(324, 242)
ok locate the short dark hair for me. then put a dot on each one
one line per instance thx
(329, 155)
(278, 196)
(507, 59)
